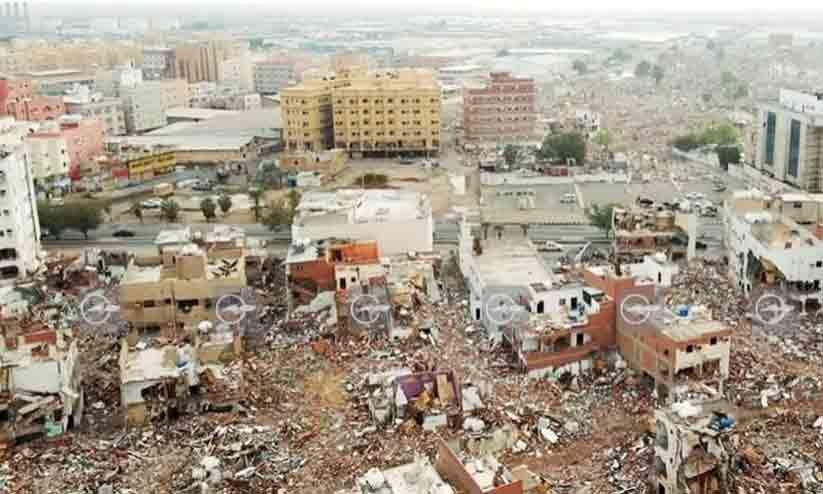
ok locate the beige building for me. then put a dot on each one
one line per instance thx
(174, 93)
(394, 111)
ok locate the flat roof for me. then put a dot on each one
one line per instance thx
(365, 206)
(512, 264)
(197, 113)
(685, 330)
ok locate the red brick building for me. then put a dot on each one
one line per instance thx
(505, 110)
(18, 100)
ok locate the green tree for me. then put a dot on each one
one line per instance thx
(280, 215)
(580, 67)
(601, 217)
(686, 143)
(209, 208)
(658, 73)
(255, 194)
(83, 217)
(728, 154)
(603, 138)
(51, 219)
(742, 91)
(137, 210)
(224, 201)
(727, 79)
(561, 147)
(719, 134)
(510, 154)
(170, 210)
(643, 69)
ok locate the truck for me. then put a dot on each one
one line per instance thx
(163, 190)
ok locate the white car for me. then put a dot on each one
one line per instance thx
(568, 198)
(550, 246)
(151, 204)
(694, 196)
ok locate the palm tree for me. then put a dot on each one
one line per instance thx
(224, 201)
(170, 210)
(209, 208)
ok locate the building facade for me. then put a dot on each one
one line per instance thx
(19, 101)
(790, 141)
(158, 63)
(95, 105)
(143, 107)
(273, 75)
(19, 224)
(197, 62)
(505, 110)
(364, 112)
(59, 149)
(174, 93)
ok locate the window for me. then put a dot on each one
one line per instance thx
(818, 264)
(797, 205)
(580, 339)
(689, 348)
(794, 149)
(771, 128)
(713, 340)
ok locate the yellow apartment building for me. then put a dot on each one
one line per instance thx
(385, 112)
(145, 166)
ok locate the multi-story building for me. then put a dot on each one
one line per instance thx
(400, 221)
(58, 149)
(174, 93)
(394, 111)
(158, 63)
(774, 241)
(198, 62)
(238, 102)
(790, 141)
(57, 82)
(112, 82)
(272, 75)
(201, 94)
(237, 71)
(307, 115)
(641, 232)
(19, 224)
(504, 110)
(19, 101)
(95, 105)
(397, 111)
(143, 107)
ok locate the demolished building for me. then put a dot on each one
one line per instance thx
(692, 447)
(41, 390)
(641, 232)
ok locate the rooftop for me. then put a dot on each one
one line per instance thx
(365, 206)
(181, 112)
(178, 236)
(513, 264)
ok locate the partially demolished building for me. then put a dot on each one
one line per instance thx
(41, 390)
(179, 354)
(641, 232)
(775, 242)
(692, 447)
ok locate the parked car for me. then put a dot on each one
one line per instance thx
(151, 203)
(405, 160)
(122, 233)
(568, 198)
(550, 246)
(203, 186)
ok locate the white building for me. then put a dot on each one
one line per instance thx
(158, 62)
(143, 107)
(400, 221)
(789, 140)
(112, 82)
(774, 241)
(236, 72)
(272, 75)
(82, 101)
(19, 224)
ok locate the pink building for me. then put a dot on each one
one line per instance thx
(503, 111)
(60, 148)
(18, 100)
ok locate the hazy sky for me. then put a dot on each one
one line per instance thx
(422, 6)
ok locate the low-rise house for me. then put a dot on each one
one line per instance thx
(40, 382)
(327, 163)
